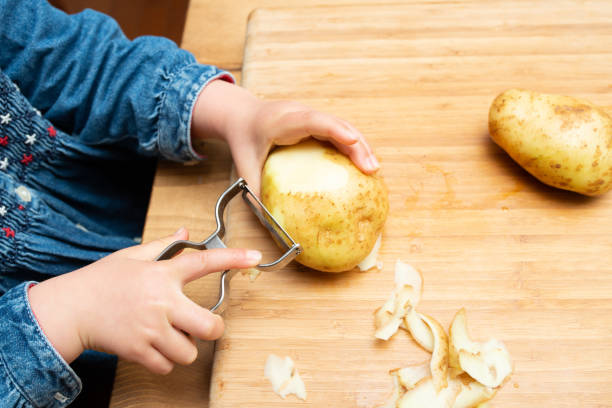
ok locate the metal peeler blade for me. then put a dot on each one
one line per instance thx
(292, 249)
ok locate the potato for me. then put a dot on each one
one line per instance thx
(333, 210)
(563, 141)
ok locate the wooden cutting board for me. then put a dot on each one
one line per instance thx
(532, 265)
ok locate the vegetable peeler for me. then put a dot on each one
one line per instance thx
(292, 249)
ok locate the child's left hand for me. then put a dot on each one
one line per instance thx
(252, 126)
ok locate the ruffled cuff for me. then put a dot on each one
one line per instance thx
(27, 358)
(174, 126)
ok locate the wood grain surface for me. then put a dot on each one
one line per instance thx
(215, 31)
(531, 264)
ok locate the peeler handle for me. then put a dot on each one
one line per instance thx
(174, 248)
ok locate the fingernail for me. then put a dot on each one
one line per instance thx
(353, 138)
(373, 162)
(253, 256)
(179, 231)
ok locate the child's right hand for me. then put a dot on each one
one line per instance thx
(131, 306)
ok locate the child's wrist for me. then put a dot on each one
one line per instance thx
(54, 319)
(220, 109)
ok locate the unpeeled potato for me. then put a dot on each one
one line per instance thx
(563, 141)
(325, 203)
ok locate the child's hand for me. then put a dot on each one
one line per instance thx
(134, 307)
(252, 126)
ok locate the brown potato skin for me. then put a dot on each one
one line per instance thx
(563, 141)
(336, 229)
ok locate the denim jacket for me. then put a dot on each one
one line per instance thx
(84, 112)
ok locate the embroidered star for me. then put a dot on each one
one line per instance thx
(51, 131)
(5, 119)
(2, 211)
(30, 139)
(4, 141)
(37, 112)
(4, 163)
(9, 233)
(27, 159)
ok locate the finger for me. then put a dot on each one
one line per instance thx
(250, 168)
(150, 250)
(155, 362)
(197, 321)
(299, 125)
(363, 152)
(176, 347)
(358, 153)
(326, 127)
(193, 265)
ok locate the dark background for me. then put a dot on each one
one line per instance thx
(137, 17)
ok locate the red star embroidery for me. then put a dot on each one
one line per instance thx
(9, 233)
(51, 131)
(21, 207)
(4, 141)
(27, 159)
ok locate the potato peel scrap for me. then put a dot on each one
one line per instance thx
(389, 317)
(283, 376)
(252, 273)
(439, 355)
(488, 363)
(461, 373)
(371, 261)
(419, 330)
(406, 275)
(403, 300)
(472, 393)
(409, 376)
(424, 394)
(392, 402)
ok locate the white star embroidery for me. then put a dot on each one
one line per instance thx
(2, 211)
(37, 112)
(4, 163)
(30, 139)
(5, 119)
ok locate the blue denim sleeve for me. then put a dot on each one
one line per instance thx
(32, 373)
(92, 82)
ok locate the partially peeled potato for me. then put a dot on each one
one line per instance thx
(325, 203)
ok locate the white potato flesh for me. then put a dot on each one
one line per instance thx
(298, 175)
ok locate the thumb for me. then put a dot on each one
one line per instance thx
(193, 265)
(150, 250)
(249, 166)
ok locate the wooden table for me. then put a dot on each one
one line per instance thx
(531, 264)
